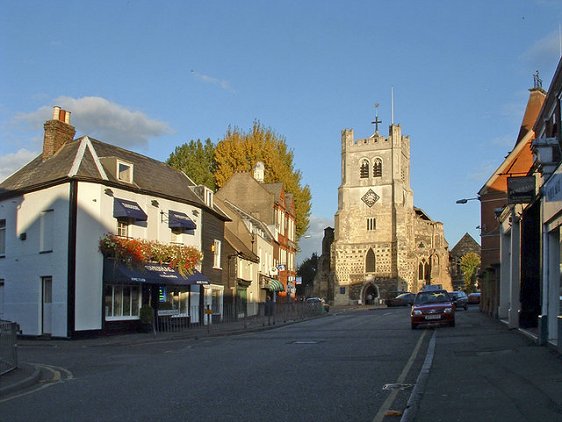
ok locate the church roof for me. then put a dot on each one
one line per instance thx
(465, 245)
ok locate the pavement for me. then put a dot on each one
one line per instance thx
(479, 371)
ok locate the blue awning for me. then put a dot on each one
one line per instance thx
(128, 209)
(180, 220)
(119, 272)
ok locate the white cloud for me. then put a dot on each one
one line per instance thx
(10, 163)
(213, 81)
(102, 119)
(543, 51)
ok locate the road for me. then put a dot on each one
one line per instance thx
(330, 369)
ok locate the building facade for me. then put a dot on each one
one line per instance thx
(382, 243)
(69, 218)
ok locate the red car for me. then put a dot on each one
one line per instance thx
(432, 307)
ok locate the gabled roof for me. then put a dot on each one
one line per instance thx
(519, 160)
(466, 243)
(82, 160)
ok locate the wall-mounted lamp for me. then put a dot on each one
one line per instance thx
(108, 192)
(465, 200)
(155, 203)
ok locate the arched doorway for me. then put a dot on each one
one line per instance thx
(370, 294)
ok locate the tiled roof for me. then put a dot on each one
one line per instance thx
(80, 160)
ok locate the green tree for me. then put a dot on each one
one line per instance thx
(307, 270)
(239, 151)
(196, 160)
(470, 263)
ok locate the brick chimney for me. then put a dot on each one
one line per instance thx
(58, 132)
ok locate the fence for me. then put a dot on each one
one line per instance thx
(8, 346)
(245, 315)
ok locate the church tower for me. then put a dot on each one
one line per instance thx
(375, 252)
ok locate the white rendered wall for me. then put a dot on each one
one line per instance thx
(24, 265)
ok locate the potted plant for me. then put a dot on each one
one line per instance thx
(146, 318)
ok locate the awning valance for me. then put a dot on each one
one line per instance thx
(119, 272)
(180, 220)
(123, 208)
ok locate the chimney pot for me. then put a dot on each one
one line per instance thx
(56, 112)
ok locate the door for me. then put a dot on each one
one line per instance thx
(47, 299)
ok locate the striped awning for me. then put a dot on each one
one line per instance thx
(275, 285)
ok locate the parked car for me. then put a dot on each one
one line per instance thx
(474, 298)
(404, 299)
(432, 307)
(316, 301)
(460, 299)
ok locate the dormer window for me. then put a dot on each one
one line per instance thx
(124, 172)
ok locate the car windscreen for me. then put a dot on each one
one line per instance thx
(431, 297)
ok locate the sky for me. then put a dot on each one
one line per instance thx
(150, 76)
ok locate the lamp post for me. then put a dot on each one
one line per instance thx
(465, 200)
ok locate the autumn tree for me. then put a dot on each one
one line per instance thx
(470, 263)
(196, 160)
(240, 151)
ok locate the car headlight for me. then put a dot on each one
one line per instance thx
(416, 312)
(448, 310)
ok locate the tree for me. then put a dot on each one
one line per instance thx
(196, 160)
(239, 151)
(470, 263)
(307, 271)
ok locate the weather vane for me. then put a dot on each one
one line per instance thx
(376, 122)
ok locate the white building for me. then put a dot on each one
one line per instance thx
(55, 210)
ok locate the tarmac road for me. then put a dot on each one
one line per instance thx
(478, 371)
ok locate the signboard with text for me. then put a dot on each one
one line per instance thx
(520, 190)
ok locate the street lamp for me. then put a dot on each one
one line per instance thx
(465, 200)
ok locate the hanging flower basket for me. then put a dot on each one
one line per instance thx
(137, 252)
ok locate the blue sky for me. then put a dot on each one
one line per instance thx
(149, 76)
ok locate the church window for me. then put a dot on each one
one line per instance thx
(377, 168)
(371, 223)
(370, 261)
(364, 171)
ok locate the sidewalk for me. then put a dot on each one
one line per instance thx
(483, 371)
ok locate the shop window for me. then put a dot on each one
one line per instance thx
(122, 302)
(2, 238)
(173, 302)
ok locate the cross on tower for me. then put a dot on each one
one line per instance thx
(376, 122)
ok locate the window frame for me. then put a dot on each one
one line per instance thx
(3, 237)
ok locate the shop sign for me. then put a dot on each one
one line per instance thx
(520, 190)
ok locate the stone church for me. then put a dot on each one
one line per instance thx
(382, 243)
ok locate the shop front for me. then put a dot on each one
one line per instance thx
(172, 297)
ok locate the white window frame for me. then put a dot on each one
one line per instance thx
(122, 317)
(217, 254)
(123, 227)
(125, 175)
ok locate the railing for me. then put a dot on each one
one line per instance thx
(8, 346)
(245, 315)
